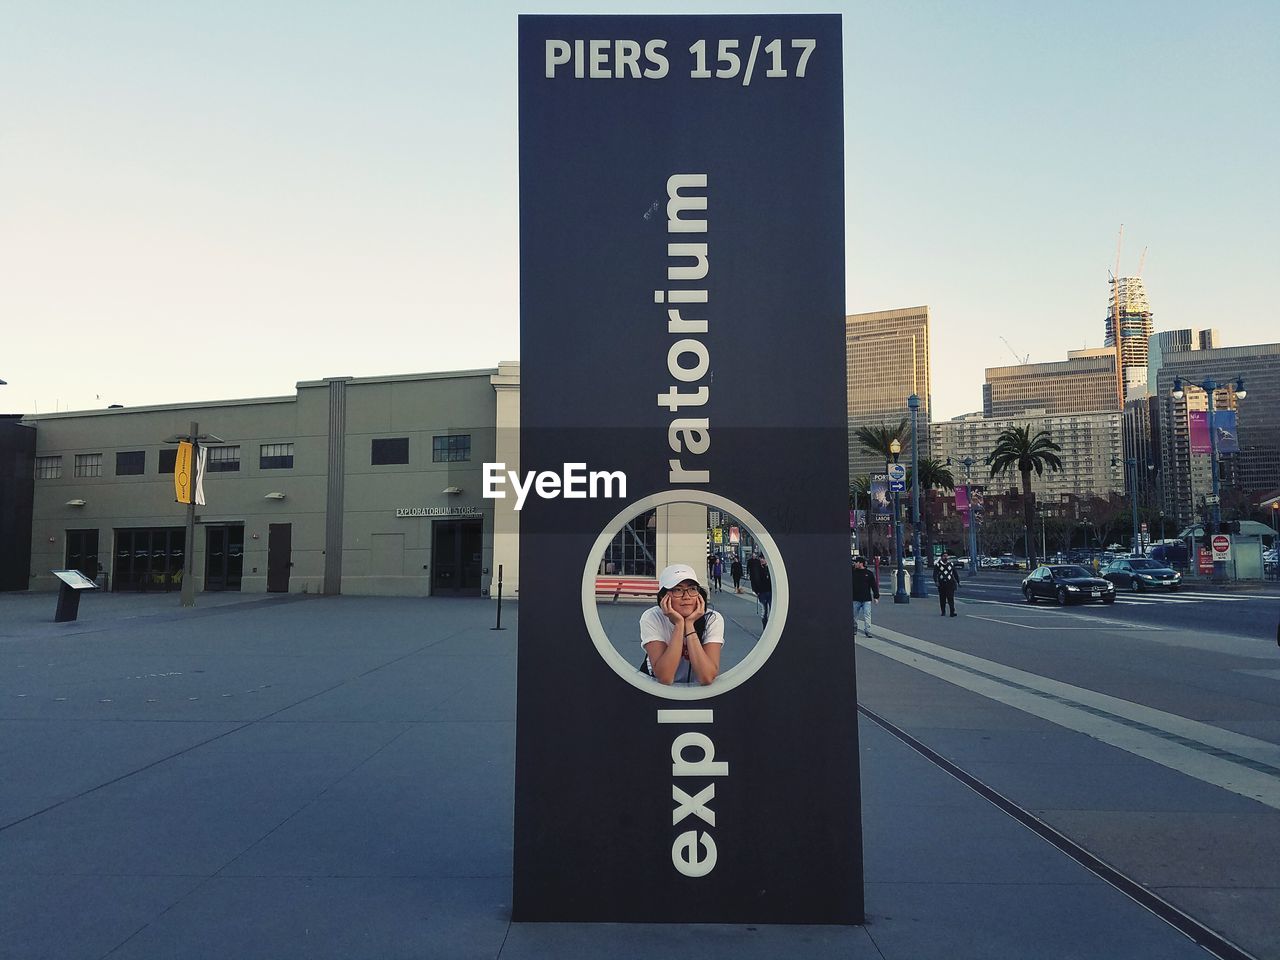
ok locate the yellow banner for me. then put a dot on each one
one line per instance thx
(183, 473)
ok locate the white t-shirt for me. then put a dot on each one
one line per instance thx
(654, 625)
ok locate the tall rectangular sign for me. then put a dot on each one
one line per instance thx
(682, 324)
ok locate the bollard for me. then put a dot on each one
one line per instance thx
(498, 625)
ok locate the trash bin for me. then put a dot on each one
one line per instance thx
(906, 579)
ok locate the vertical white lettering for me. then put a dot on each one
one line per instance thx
(557, 53)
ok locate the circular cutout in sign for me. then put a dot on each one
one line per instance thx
(628, 668)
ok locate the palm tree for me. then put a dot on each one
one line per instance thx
(933, 473)
(877, 439)
(1017, 449)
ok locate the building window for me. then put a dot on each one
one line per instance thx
(222, 460)
(88, 464)
(168, 458)
(451, 449)
(276, 456)
(48, 468)
(391, 450)
(131, 463)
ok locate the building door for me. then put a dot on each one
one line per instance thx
(224, 556)
(456, 557)
(82, 552)
(279, 557)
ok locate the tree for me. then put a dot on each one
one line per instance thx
(999, 534)
(933, 473)
(877, 439)
(1016, 449)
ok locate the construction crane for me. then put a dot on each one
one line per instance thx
(1021, 359)
(1115, 321)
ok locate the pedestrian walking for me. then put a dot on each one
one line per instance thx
(762, 584)
(866, 591)
(717, 572)
(946, 575)
(735, 571)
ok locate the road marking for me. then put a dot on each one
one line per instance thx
(1235, 762)
(1111, 625)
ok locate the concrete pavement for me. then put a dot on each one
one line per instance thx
(332, 777)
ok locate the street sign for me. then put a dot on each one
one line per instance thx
(897, 478)
(1221, 547)
(1211, 499)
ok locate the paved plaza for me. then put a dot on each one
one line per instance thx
(281, 777)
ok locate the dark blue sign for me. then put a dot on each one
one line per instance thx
(682, 323)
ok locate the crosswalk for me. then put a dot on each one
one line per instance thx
(1145, 599)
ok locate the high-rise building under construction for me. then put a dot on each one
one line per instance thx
(1129, 311)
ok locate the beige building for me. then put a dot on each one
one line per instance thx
(352, 485)
(887, 358)
(1089, 442)
(1084, 382)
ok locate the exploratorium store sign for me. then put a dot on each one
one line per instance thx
(438, 512)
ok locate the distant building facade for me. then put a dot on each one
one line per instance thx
(367, 485)
(1090, 441)
(887, 357)
(1084, 382)
(1187, 475)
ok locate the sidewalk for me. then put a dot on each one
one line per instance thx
(332, 778)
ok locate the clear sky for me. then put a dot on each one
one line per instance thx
(280, 191)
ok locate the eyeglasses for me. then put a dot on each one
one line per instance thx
(684, 591)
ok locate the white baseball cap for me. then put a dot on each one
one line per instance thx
(677, 573)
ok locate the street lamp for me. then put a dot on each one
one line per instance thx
(900, 589)
(1209, 386)
(972, 515)
(1131, 465)
(195, 438)
(918, 587)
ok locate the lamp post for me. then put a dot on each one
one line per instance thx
(1275, 517)
(900, 589)
(967, 463)
(918, 586)
(195, 438)
(1209, 385)
(1131, 467)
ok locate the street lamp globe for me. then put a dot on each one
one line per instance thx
(1177, 388)
(895, 446)
(1241, 393)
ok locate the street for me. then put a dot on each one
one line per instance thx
(1147, 731)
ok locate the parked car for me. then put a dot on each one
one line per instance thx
(1010, 562)
(1067, 583)
(1142, 573)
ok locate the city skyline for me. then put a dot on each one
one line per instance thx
(281, 194)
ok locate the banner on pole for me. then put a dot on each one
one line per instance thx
(183, 472)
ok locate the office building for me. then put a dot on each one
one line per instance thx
(351, 485)
(1090, 442)
(1141, 442)
(1165, 342)
(887, 356)
(1129, 307)
(1084, 382)
(1255, 468)
(17, 488)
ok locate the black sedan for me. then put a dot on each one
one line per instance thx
(1067, 583)
(1142, 573)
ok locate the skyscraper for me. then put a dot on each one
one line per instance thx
(887, 357)
(1083, 383)
(1129, 307)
